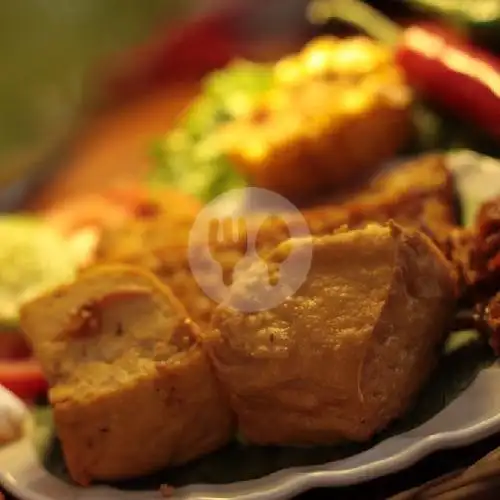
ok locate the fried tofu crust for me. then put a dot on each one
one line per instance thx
(418, 194)
(132, 390)
(348, 352)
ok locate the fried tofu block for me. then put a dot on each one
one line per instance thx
(417, 194)
(347, 353)
(142, 235)
(132, 390)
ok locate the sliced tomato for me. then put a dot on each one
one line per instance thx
(23, 377)
(92, 210)
(107, 209)
(83, 218)
(128, 195)
(139, 199)
(118, 204)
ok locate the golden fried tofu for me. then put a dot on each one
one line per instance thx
(418, 194)
(142, 235)
(348, 352)
(164, 217)
(131, 388)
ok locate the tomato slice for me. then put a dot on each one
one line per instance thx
(98, 210)
(116, 205)
(91, 210)
(23, 377)
(83, 218)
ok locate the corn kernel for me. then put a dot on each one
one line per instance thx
(288, 71)
(356, 102)
(299, 137)
(358, 56)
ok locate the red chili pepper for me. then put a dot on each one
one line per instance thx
(447, 69)
(187, 51)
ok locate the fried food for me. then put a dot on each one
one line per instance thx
(143, 235)
(485, 250)
(347, 353)
(336, 111)
(487, 320)
(160, 218)
(417, 194)
(475, 253)
(131, 389)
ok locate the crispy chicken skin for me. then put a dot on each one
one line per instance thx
(132, 391)
(347, 353)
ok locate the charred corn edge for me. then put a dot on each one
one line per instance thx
(324, 54)
(309, 136)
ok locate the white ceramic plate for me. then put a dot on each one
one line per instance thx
(473, 415)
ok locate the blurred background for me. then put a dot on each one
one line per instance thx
(55, 61)
(63, 63)
(66, 63)
(86, 85)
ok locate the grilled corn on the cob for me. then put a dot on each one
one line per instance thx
(336, 110)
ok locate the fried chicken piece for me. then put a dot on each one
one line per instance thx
(475, 253)
(486, 250)
(131, 388)
(417, 191)
(488, 321)
(347, 353)
(458, 248)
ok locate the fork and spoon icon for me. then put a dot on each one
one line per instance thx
(235, 232)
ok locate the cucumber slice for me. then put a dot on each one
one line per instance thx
(34, 258)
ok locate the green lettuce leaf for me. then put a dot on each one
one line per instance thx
(182, 158)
